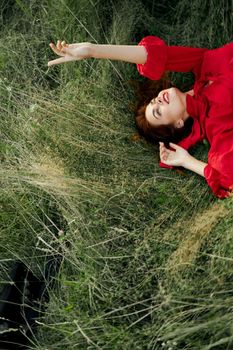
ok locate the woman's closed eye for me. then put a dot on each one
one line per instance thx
(158, 111)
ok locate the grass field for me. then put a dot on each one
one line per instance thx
(147, 252)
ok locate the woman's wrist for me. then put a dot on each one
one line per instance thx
(194, 164)
(89, 47)
(187, 160)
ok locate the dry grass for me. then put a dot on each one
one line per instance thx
(196, 232)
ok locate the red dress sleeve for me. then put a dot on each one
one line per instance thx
(219, 170)
(161, 58)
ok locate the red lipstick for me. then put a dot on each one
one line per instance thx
(166, 97)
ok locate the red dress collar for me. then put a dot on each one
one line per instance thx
(192, 106)
(195, 110)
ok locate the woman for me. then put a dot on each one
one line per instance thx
(209, 105)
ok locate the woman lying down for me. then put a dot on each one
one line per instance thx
(175, 118)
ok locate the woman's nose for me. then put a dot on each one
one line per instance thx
(159, 100)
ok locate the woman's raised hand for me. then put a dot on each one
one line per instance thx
(178, 157)
(70, 52)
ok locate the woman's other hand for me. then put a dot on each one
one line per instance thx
(70, 52)
(177, 157)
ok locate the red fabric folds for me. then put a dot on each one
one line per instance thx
(211, 107)
(156, 57)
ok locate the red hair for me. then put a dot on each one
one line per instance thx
(165, 133)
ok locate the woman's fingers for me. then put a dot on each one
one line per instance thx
(163, 149)
(56, 61)
(61, 44)
(161, 146)
(59, 47)
(164, 152)
(175, 146)
(56, 50)
(59, 61)
(166, 155)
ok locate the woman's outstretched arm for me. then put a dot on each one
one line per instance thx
(181, 157)
(74, 52)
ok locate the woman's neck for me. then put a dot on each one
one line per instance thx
(191, 93)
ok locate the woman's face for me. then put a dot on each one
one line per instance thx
(168, 108)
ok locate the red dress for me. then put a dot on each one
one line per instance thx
(211, 107)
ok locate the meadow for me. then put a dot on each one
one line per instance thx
(146, 252)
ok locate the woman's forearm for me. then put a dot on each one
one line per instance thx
(75, 52)
(194, 165)
(127, 53)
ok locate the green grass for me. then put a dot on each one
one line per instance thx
(147, 258)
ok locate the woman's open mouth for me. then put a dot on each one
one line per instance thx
(166, 97)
